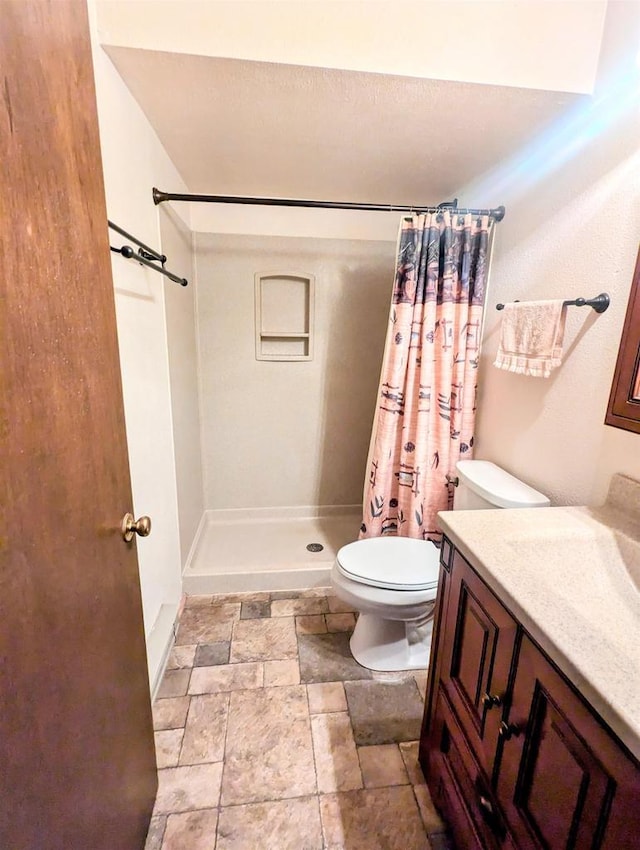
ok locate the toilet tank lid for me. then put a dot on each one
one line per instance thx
(498, 487)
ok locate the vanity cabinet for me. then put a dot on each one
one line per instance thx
(477, 646)
(513, 755)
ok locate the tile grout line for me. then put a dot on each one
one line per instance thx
(313, 752)
(186, 719)
(164, 829)
(275, 800)
(282, 799)
(313, 746)
(224, 764)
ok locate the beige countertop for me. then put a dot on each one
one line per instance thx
(572, 577)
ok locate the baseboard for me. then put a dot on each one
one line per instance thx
(159, 644)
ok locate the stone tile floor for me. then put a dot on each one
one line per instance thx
(269, 736)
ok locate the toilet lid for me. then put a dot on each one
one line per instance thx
(397, 563)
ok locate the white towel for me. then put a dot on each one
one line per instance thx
(531, 337)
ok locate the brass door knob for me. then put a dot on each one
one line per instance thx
(490, 700)
(131, 526)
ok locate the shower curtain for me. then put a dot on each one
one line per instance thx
(427, 396)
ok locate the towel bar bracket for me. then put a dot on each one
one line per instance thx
(600, 303)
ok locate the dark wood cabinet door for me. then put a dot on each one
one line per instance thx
(564, 782)
(435, 658)
(478, 646)
(459, 786)
(77, 763)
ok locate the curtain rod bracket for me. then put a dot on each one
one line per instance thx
(146, 256)
(162, 259)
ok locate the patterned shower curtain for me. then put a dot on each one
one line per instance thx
(427, 395)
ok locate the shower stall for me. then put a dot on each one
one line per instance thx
(283, 439)
(289, 335)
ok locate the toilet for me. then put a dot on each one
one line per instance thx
(393, 581)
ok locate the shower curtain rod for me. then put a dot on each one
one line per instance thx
(159, 197)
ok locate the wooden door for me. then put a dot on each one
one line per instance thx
(564, 781)
(77, 766)
(478, 649)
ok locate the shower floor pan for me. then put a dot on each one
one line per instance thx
(266, 548)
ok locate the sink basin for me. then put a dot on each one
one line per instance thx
(629, 550)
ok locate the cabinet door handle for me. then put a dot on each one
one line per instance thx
(490, 816)
(491, 700)
(486, 805)
(508, 731)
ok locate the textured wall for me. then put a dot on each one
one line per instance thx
(570, 231)
(277, 434)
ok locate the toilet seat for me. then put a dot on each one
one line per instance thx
(391, 563)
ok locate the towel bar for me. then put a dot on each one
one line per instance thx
(599, 303)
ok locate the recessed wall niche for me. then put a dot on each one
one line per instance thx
(284, 304)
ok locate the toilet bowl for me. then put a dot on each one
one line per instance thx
(393, 581)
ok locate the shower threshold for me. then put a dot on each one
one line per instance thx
(254, 549)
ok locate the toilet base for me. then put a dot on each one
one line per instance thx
(391, 645)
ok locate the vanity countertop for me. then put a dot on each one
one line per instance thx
(571, 575)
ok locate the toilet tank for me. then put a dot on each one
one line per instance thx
(482, 485)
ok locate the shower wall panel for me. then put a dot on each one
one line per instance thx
(176, 240)
(276, 434)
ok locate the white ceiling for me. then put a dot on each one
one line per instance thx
(256, 128)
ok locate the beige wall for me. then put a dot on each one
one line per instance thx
(183, 375)
(573, 231)
(294, 221)
(278, 434)
(546, 44)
